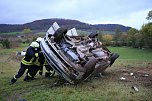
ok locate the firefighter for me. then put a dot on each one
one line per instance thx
(32, 71)
(27, 62)
(38, 65)
(49, 70)
(42, 62)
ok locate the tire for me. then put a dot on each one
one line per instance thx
(58, 35)
(89, 66)
(101, 67)
(113, 57)
(93, 35)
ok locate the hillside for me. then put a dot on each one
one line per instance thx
(44, 24)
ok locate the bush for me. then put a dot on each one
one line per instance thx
(6, 43)
(15, 43)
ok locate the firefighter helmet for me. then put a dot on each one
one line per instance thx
(39, 39)
(34, 45)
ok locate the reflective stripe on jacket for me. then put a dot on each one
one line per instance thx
(30, 56)
(37, 62)
(45, 63)
(27, 62)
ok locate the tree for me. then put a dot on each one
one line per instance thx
(26, 31)
(117, 37)
(149, 16)
(139, 40)
(100, 34)
(107, 39)
(146, 31)
(123, 39)
(131, 37)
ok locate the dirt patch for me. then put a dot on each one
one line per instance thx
(138, 76)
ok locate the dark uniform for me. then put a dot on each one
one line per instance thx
(27, 62)
(38, 66)
(49, 71)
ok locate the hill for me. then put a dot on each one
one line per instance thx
(44, 24)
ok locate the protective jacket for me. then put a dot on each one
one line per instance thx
(30, 56)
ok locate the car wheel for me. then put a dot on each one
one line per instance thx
(58, 35)
(93, 35)
(113, 57)
(89, 66)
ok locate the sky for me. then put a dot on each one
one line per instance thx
(131, 13)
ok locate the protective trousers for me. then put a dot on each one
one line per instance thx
(36, 69)
(22, 70)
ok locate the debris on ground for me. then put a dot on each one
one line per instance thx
(131, 74)
(141, 76)
(122, 78)
(135, 88)
(146, 75)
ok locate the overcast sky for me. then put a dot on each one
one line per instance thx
(126, 12)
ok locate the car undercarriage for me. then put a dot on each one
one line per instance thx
(75, 58)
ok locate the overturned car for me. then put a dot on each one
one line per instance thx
(75, 58)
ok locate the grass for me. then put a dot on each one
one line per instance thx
(41, 33)
(11, 33)
(132, 53)
(132, 57)
(20, 33)
(108, 88)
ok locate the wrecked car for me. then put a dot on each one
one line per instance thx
(75, 58)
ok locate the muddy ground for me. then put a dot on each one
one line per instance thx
(135, 75)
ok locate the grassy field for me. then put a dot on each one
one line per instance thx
(11, 33)
(20, 33)
(107, 88)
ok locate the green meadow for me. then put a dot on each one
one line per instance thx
(107, 88)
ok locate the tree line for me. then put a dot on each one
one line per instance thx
(134, 38)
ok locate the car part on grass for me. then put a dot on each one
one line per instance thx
(134, 87)
(122, 78)
(131, 74)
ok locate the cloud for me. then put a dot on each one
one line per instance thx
(133, 19)
(126, 12)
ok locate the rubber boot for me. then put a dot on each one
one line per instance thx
(47, 75)
(32, 78)
(27, 78)
(13, 80)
